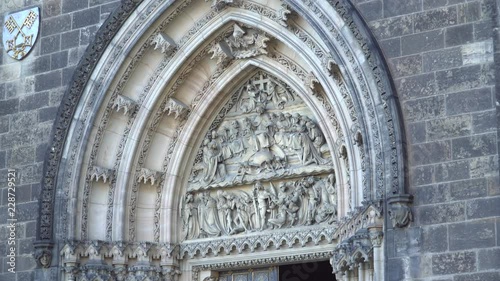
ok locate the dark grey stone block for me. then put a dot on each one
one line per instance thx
(86, 17)
(23, 193)
(371, 10)
(489, 259)
(453, 263)
(434, 19)
(46, 114)
(422, 175)
(417, 132)
(36, 190)
(417, 86)
(442, 59)
(48, 81)
(67, 74)
(4, 124)
(459, 79)
(9, 107)
(472, 235)
(423, 109)
(435, 239)
(23, 120)
(482, 208)
(395, 7)
(25, 263)
(27, 211)
(441, 213)
(391, 47)
(468, 189)
(86, 34)
(484, 167)
(31, 174)
(34, 101)
(21, 156)
(26, 275)
(30, 229)
(50, 44)
(469, 12)
(431, 152)
(59, 60)
(56, 25)
(38, 65)
(474, 146)
(485, 276)
(483, 30)
(406, 66)
(51, 8)
(70, 39)
(458, 35)
(392, 27)
(421, 42)
(450, 127)
(110, 7)
(71, 5)
(469, 101)
(451, 171)
(431, 194)
(432, 4)
(396, 271)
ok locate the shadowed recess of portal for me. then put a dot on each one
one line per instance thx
(311, 271)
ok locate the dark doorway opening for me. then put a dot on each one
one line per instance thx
(311, 271)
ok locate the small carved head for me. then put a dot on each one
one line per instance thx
(43, 258)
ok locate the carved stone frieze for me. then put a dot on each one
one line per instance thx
(101, 174)
(351, 253)
(124, 103)
(148, 175)
(176, 108)
(163, 42)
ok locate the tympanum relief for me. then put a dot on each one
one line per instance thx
(264, 164)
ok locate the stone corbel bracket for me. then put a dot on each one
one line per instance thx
(163, 42)
(399, 210)
(124, 103)
(147, 175)
(100, 173)
(177, 108)
(283, 14)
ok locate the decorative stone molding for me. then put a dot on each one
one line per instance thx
(124, 103)
(220, 4)
(101, 174)
(283, 13)
(147, 175)
(352, 253)
(163, 42)
(176, 107)
(399, 210)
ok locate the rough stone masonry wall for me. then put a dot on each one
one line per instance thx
(30, 92)
(441, 54)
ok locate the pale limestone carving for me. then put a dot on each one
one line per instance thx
(163, 42)
(100, 173)
(176, 107)
(219, 4)
(147, 175)
(124, 103)
(283, 14)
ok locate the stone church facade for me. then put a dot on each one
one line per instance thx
(251, 140)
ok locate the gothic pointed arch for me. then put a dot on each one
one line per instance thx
(198, 134)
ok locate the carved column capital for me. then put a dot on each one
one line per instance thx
(399, 210)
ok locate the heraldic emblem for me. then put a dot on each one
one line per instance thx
(20, 31)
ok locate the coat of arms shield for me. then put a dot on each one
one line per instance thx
(20, 31)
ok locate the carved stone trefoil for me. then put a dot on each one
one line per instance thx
(101, 174)
(147, 175)
(163, 42)
(124, 103)
(177, 108)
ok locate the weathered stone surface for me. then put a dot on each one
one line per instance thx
(482, 208)
(21, 156)
(396, 7)
(469, 101)
(431, 152)
(452, 263)
(451, 171)
(371, 10)
(436, 18)
(457, 35)
(70, 39)
(86, 17)
(56, 25)
(482, 30)
(70, 6)
(391, 47)
(9, 106)
(48, 81)
(417, 86)
(486, 276)
(477, 53)
(434, 239)
(472, 235)
(441, 213)
(469, 12)
(468, 189)
(484, 122)
(422, 175)
(459, 79)
(59, 60)
(48, 113)
(50, 44)
(431, 4)
(417, 132)
(484, 167)
(392, 27)
(489, 259)
(423, 109)
(422, 42)
(442, 59)
(474, 146)
(27, 211)
(449, 127)
(406, 66)
(431, 194)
